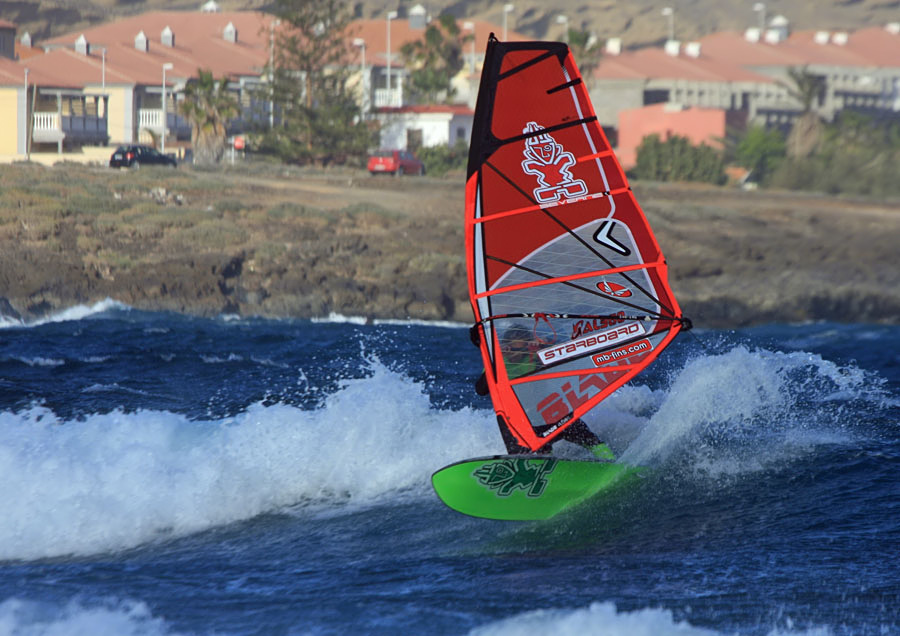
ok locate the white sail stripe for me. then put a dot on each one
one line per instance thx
(587, 134)
(481, 274)
(648, 283)
(612, 202)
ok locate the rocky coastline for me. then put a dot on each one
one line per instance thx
(287, 243)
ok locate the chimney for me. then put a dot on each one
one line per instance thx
(230, 33)
(673, 47)
(167, 37)
(692, 49)
(893, 28)
(25, 40)
(81, 45)
(821, 37)
(209, 7)
(614, 46)
(417, 17)
(779, 30)
(840, 38)
(752, 34)
(141, 43)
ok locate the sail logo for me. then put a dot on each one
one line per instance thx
(641, 346)
(551, 164)
(581, 327)
(507, 475)
(604, 237)
(557, 408)
(614, 289)
(591, 342)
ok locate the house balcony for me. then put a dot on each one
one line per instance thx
(50, 127)
(150, 119)
(388, 99)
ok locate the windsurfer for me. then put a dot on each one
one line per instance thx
(520, 359)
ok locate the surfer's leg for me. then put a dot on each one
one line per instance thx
(512, 445)
(481, 385)
(579, 433)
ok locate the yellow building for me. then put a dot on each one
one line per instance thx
(106, 84)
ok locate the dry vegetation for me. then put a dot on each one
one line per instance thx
(263, 239)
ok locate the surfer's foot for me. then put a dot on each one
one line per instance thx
(602, 451)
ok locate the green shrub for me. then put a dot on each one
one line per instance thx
(676, 159)
(857, 155)
(439, 160)
(761, 151)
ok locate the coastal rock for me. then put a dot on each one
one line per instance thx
(312, 247)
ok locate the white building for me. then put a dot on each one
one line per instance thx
(424, 126)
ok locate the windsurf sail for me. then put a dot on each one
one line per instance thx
(568, 285)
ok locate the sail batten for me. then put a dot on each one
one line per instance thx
(567, 282)
(572, 277)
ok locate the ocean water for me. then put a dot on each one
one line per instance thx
(161, 474)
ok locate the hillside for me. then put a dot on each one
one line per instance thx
(636, 21)
(278, 241)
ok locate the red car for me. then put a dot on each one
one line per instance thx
(395, 162)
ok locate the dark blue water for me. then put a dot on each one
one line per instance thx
(161, 474)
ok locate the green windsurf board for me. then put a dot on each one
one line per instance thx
(523, 487)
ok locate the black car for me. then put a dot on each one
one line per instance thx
(137, 156)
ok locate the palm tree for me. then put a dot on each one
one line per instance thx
(586, 51)
(807, 130)
(208, 106)
(436, 59)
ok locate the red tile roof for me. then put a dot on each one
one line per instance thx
(873, 46)
(451, 109)
(13, 74)
(374, 32)
(654, 63)
(199, 43)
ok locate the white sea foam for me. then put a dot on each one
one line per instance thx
(717, 401)
(21, 617)
(362, 320)
(603, 619)
(78, 312)
(41, 361)
(112, 481)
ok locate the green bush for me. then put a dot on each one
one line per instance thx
(761, 151)
(439, 160)
(676, 159)
(857, 155)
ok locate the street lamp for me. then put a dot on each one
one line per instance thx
(564, 20)
(390, 16)
(274, 23)
(468, 25)
(165, 67)
(507, 9)
(669, 12)
(760, 8)
(365, 75)
(27, 120)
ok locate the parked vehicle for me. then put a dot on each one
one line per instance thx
(136, 156)
(395, 162)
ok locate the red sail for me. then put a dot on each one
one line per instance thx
(567, 282)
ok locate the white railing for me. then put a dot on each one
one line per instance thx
(46, 121)
(150, 118)
(384, 97)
